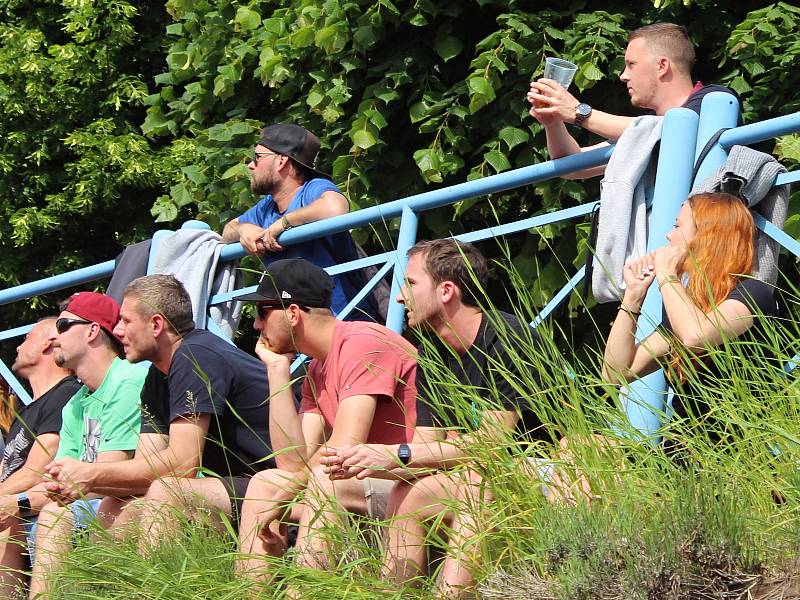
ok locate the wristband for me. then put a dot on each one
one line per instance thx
(630, 312)
(285, 223)
(666, 280)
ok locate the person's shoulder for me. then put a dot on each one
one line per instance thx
(497, 324)
(756, 295)
(207, 351)
(61, 392)
(122, 371)
(314, 188)
(372, 335)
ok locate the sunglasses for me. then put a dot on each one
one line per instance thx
(64, 324)
(263, 309)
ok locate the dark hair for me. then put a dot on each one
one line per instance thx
(163, 295)
(303, 172)
(671, 40)
(451, 260)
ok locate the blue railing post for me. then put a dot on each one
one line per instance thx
(646, 399)
(406, 237)
(718, 110)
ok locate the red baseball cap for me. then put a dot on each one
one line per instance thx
(97, 308)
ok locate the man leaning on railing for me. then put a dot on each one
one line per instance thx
(294, 193)
(658, 76)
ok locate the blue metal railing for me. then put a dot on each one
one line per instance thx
(682, 130)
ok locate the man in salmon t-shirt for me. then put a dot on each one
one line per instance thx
(360, 387)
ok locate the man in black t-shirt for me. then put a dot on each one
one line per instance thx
(204, 412)
(32, 442)
(480, 393)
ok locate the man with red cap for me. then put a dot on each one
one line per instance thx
(294, 193)
(100, 423)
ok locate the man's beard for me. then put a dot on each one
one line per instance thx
(264, 186)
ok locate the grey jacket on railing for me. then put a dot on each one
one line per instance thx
(750, 174)
(622, 225)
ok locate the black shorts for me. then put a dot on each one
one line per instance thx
(236, 486)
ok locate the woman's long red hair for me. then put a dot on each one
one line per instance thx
(720, 254)
(722, 250)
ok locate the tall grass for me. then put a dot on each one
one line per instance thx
(715, 527)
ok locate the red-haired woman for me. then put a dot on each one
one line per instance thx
(702, 274)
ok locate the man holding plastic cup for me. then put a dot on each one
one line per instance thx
(658, 63)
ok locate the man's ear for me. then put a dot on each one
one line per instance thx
(663, 65)
(158, 324)
(449, 291)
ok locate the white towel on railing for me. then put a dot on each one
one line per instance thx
(192, 256)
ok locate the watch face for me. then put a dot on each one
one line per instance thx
(583, 110)
(404, 453)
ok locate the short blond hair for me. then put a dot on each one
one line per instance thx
(668, 39)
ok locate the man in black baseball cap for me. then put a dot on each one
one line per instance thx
(292, 281)
(360, 386)
(283, 170)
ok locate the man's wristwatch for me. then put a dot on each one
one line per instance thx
(404, 454)
(582, 112)
(24, 505)
(285, 223)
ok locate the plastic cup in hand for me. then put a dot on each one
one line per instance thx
(559, 70)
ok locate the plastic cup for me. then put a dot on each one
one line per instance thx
(559, 70)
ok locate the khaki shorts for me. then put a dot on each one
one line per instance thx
(376, 493)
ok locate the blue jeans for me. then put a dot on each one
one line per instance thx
(83, 513)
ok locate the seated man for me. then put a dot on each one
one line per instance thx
(658, 75)
(481, 350)
(100, 423)
(32, 443)
(360, 387)
(282, 170)
(204, 406)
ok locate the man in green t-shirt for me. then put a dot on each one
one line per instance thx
(100, 423)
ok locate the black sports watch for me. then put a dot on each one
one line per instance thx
(404, 453)
(24, 505)
(582, 112)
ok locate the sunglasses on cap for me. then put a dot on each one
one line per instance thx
(64, 324)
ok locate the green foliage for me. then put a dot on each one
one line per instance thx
(403, 95)
(73, 76)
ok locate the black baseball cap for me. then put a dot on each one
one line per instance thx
(293, 281)
(296, 142)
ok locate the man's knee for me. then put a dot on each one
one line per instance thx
(164, 491)
(53, 513)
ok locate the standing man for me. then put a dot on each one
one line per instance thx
(294, 193)
(100, 423)
(658, 75)
(205, 409)
(360, 387)
(32, 443)
(474, 385)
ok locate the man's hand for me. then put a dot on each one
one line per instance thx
(9, 511)
(272, 531)
(250, 236)
(72, 479)
(269, 238)
(551, 103)
(359, 461)
(270, 358)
